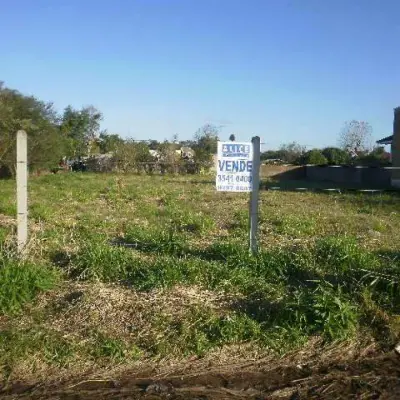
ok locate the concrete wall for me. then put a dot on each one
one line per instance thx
(347, 175)
(357, 176)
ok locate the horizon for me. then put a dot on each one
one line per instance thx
(156, 70)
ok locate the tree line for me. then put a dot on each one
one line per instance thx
(354, 148)
(75, 134)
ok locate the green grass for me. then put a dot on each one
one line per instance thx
(20, 282)
(314, 289)
(328, 266)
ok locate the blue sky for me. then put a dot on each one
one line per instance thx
(286, 70)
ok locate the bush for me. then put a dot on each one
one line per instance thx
(336, 156)
(376, 158)
(314, 157)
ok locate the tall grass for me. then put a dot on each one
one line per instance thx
(302, 290)
(20, 282)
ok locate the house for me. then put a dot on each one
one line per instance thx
(155, 154)
(386, 140)
(394, 142)
(186, 153)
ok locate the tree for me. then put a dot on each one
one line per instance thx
(175, 138)
(232, 138)
(314, 157)
(291, 152)
(336, 156)
(131, 155)
(38, 119)
(167, 151)
(206, 139)
(80, 128)
(168, 159)
(109, 142)
(356, 137)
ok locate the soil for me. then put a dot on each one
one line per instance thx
(373, 376)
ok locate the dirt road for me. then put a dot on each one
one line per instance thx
(376, 376)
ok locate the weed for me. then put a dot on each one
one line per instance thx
(20, 282)
(16, 346)
(335, 316)
(200, 330)
(106, 347)
(101, 261)
(342, 254)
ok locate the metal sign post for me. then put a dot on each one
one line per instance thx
(254, 195)
(22, 191)
(238, 170)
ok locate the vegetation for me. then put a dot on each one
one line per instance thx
(336, 156)
(330, 155)
(314, 156)
(356, 136)
(75, 134)
(80, 128)
(125, 269)
(40, 122)
(377, 157)
(290, 153)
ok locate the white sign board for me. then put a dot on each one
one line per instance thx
(234, 167)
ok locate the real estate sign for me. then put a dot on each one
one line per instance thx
(235, 167)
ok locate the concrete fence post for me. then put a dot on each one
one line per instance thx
(22, 191)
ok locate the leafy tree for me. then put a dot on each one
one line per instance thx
(314, 157)
(131, 155)
(232, 137)
(356, 137)
(109, 142)
(169, 158)
(206, 139)
(291, 152)
(80, 128)
(38, 119)
(336, 156)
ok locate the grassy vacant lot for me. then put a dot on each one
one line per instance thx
(128, 271)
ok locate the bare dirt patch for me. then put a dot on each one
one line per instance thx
(333, 375)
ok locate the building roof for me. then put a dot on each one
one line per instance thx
(386, 140)
(187, 149)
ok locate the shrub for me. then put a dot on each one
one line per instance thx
(314, 157)
(336, 156)
(377, 157)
